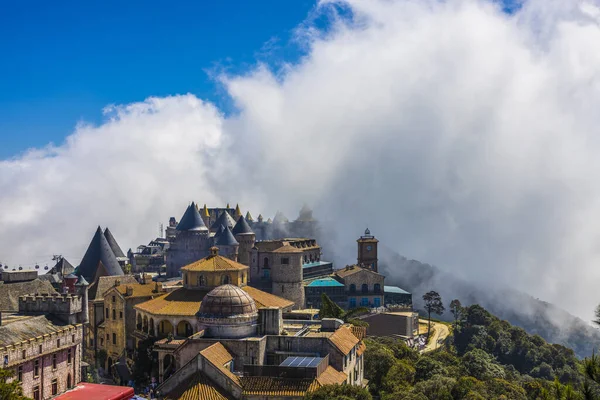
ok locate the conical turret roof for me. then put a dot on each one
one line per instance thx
(225, 220)
(114, 246)
(238, 212)
(227, 238)
(249, 217)
(191, 220)
(62, 267)
(219, 231)
(205, 212)
(241, 227)
(98, 251)
(279, 218)
(306, 214)
(82, 282)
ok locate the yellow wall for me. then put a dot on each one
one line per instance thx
(237, 278)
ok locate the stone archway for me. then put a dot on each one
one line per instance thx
(139, 322)
(151, 327)
(184, 329)
(145, 324)
(169, 366)
(165, 327)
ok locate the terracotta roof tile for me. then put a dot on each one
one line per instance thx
(264, 299)
(361, 349)
(198, 387)
(287, 249)
(332, 376)
(277, 387)
(218, 356)
(351, 270)
(344, 340)
(215, 263)
(139, 290)
(182, 302)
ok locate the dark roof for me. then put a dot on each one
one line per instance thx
(52, 278)
(82, 282)
(98, 251)
(10, 292)
(29, 328)
(225, 220)
(191, 220)
(219, 231)
(280, 218)
(227, 238)
(241, 227)
(114, 246)
(99, 287)
(62, 268)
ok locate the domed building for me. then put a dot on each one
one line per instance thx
(228, 312)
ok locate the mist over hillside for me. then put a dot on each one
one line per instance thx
(534, 315)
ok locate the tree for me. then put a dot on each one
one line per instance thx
(10, 390)
(339, 392)
(597, 315)
(329, 309)
(433, 304)
(456, 310)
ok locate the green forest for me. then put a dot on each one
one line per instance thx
(484, 358)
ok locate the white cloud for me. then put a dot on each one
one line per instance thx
(463, 136)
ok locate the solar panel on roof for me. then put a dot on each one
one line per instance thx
(301, 362)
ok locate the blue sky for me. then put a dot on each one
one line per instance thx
(63, 64)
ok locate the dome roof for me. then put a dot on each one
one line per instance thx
(227, 301)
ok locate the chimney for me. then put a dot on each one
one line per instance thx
(117, 282)
(129, 290)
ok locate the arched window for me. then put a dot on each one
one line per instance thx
(377, 288)
(365, 288)
(266, 262)
(352, 288)
(69, 381)
(224, 279)
(201, 280)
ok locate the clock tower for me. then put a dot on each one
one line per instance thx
(367, 251)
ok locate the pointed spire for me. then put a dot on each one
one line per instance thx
(227, 206)
(99, 252)
(223, 219)
(249, 217)
(219, 231)
(191, 220)
(205, 212)
(260, 218)
(238, 212)
(241, 227)
(114, 246)
(279, 218)
(227, 238)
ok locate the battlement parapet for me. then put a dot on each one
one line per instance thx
(50, 303)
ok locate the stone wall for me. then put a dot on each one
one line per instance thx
(64, 306)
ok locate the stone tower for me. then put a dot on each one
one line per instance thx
(191, 242)
(246, 238)
(228, 246)
(367, 251)
(286, 275)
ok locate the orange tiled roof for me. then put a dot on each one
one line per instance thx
(218, 356)
(182, 302)
(344, 340)
(287, 249)
(198, 387)
(215, 263)
(264, 299)
(361, 349)
(332, 376)
(139, 290)
(351, 270)
(277, 387)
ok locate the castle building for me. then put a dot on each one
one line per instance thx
(100, 258)
(42, 343)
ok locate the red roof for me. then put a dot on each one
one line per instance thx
(94, 391)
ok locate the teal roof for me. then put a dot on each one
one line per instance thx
(394, 289)
(315, 264)
(325, 282)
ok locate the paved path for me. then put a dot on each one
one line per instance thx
(441, 333)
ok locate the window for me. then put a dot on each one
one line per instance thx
(54, 387)
(352, 302)
(114, 314)
(54, 361)
(107, 313)
(285, 261)
(114, 299)
(120, 314)
(377, 302)
(69, 381)
(20, 373)
(36, 368)
(365, 288)
(73, 338)
(201, 280)
(377, 288)
(107, 337)
(91, 342)
(243, 277)
(266, 262)
(352, 288)
(101, 341)
(69, 356)
(224, 279)
(114, 338)
(36, 393)
(289, 346)
(40, 349)
(282, 289)
(185, 279)
(24, 354)
(266, 274)
(364, 301)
